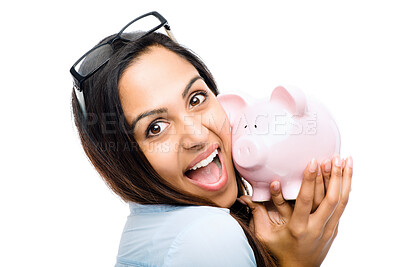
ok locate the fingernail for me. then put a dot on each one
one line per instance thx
(338, 161)
(313, 166)
(319, 170)
(327, 164)
(350, 162)
(241, 201)
(275, 186)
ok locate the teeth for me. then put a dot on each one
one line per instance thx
(206, 161)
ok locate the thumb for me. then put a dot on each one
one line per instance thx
(259, 212)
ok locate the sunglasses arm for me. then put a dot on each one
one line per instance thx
(81, 101)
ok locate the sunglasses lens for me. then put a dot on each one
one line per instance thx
(94, 60)
(140, 27)
(97, 57)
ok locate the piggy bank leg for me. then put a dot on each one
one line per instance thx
(260, 191)
(291, 190)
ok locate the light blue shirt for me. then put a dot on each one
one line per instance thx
(166, 235)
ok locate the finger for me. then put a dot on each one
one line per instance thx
(331, 200)
(344, 198)
(280, 203)
(326, 167)
(319, 190)
(305, 197)
(329, 240)
(260, 213)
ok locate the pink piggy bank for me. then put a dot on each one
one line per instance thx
(273, 140)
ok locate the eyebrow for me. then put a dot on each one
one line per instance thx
(164, 110)
(191, 82)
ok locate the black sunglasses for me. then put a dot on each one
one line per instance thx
(101, 53)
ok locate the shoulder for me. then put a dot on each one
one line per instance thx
(183, 236)
(210, 237)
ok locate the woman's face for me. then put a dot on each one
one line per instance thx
(179, 125)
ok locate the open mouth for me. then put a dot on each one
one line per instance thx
(210, 173)
(206, 171)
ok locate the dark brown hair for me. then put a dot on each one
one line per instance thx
(113, 150)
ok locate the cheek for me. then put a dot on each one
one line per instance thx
(162, 158)
(223, 127)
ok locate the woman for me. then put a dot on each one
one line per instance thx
(149, 121)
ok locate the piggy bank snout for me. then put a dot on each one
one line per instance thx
(248, 153)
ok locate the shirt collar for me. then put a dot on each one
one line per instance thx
(137, 208)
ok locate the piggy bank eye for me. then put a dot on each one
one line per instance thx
(245, 126)
(255, 126)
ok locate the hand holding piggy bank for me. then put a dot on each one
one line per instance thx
(274, 140)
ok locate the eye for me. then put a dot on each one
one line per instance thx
(156, 128)
(198, 98)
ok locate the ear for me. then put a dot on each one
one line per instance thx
(232, 104)
(292, 98)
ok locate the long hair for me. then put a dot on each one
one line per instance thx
(113, 150)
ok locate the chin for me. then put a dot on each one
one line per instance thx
(229, 197)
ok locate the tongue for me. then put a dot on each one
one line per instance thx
(206, 175)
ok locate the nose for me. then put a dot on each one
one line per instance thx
(248, 153)
(195, 134)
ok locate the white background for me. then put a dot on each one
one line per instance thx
(56, 211)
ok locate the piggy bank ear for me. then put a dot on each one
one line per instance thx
(232, 104)
(292, 98)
